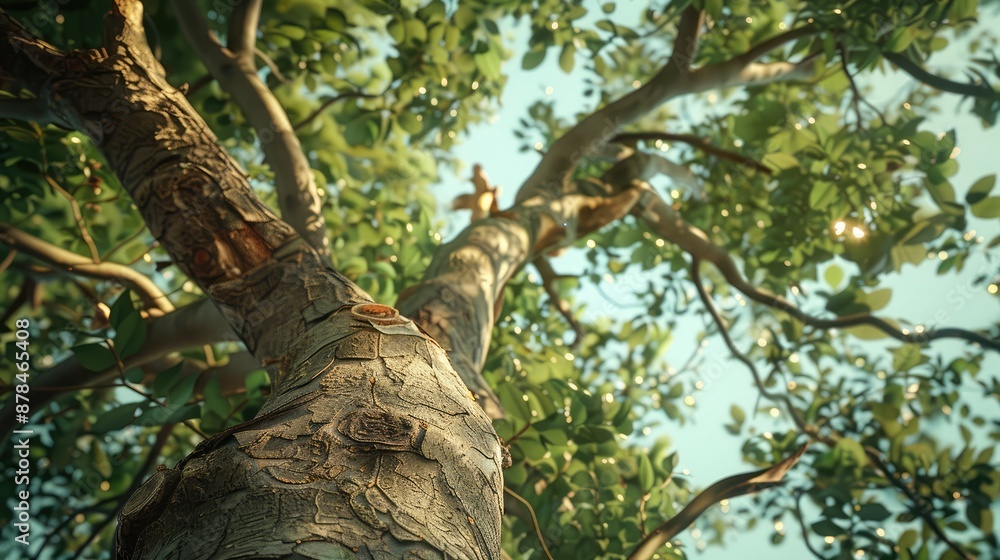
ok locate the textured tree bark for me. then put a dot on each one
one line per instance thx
(370, 445)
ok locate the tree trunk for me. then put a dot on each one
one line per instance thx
(370, 445)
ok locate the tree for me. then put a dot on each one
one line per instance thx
(179, 320)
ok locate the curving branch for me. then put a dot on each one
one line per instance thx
(873, 455)
(695, 142)
(674, 79)
(236, 72)
(69, 261)
(727, 488)
(328, 102)
(668, 224)
(904, 63)
(745, 70)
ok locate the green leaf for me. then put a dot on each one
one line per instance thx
(122, 308)
(833, 275)
(215, 401)
(900, 39)
(94, 357)
(489, 63)
(738, 415)
(567, 57)
(183, 413)
(980, 189)
(821, 195)
(362, 131)
(906, 357)
(130, 335)
(533, 58)
(866, 332)
(987, 208)
(407, 120)
(135, 375)
(827, 528)
(416, 31)
(873, 512)
(646, 477)
(779, 161)
(877, 299)
(181, 391)
(115, 419)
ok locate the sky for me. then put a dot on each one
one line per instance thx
(494, 146)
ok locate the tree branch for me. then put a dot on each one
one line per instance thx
(913, 69)
(456, 301)
(71, 262)
(873, 455)
(727, 488)
(186, 327)
(589, 135)
(34, 110)
(549, 278)
(298, 196)
(242, 36)
(745, 70)
(327, 103)
(665, 221)
(696, 142)
(686, 42)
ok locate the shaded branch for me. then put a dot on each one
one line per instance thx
(745, 70)
(71, 262)
(686, 43)
(727, 488)
(696, 142)
(590, 134)
(327, 103)
(242, 36)
(271, 65)
(938, 82)
(298, 196)
(857, 98)
(34, 110)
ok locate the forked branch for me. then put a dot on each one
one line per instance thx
(235, 70)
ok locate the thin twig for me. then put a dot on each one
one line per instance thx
(323, 106)
(696, 142)
(78, 216)
(534, 520)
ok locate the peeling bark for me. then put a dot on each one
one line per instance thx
(369, 446)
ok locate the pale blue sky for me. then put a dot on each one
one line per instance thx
(918, 291)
